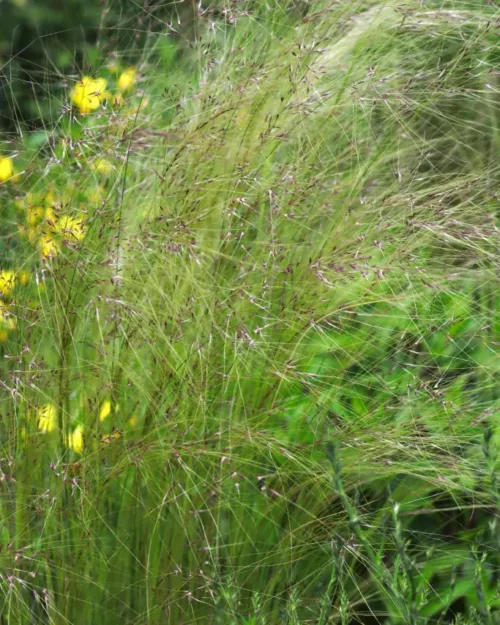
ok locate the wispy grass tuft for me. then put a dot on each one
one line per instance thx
(252, 375)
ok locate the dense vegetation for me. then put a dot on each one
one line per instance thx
(249, 321)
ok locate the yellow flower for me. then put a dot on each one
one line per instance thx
(75, 439)
(133, 421)
(7, 281)
(47, 416)
(126, 79)
(6, 168)
(89, 93)
(48, 246)
(106, 408)
(70, 227)
(102, 166)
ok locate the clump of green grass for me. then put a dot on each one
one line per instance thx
(261, 387)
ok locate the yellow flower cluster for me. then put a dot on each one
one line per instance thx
(90, 93)
(46, 420)
(45, 228)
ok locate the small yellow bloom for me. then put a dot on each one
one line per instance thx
(75, 439)
(47, 416)
(7, 281)
(105, 410)
(6, 168)
(102, 166)
(126, 79)
(133, 421)
(48, 246)
(89, 93)
(70, 228)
